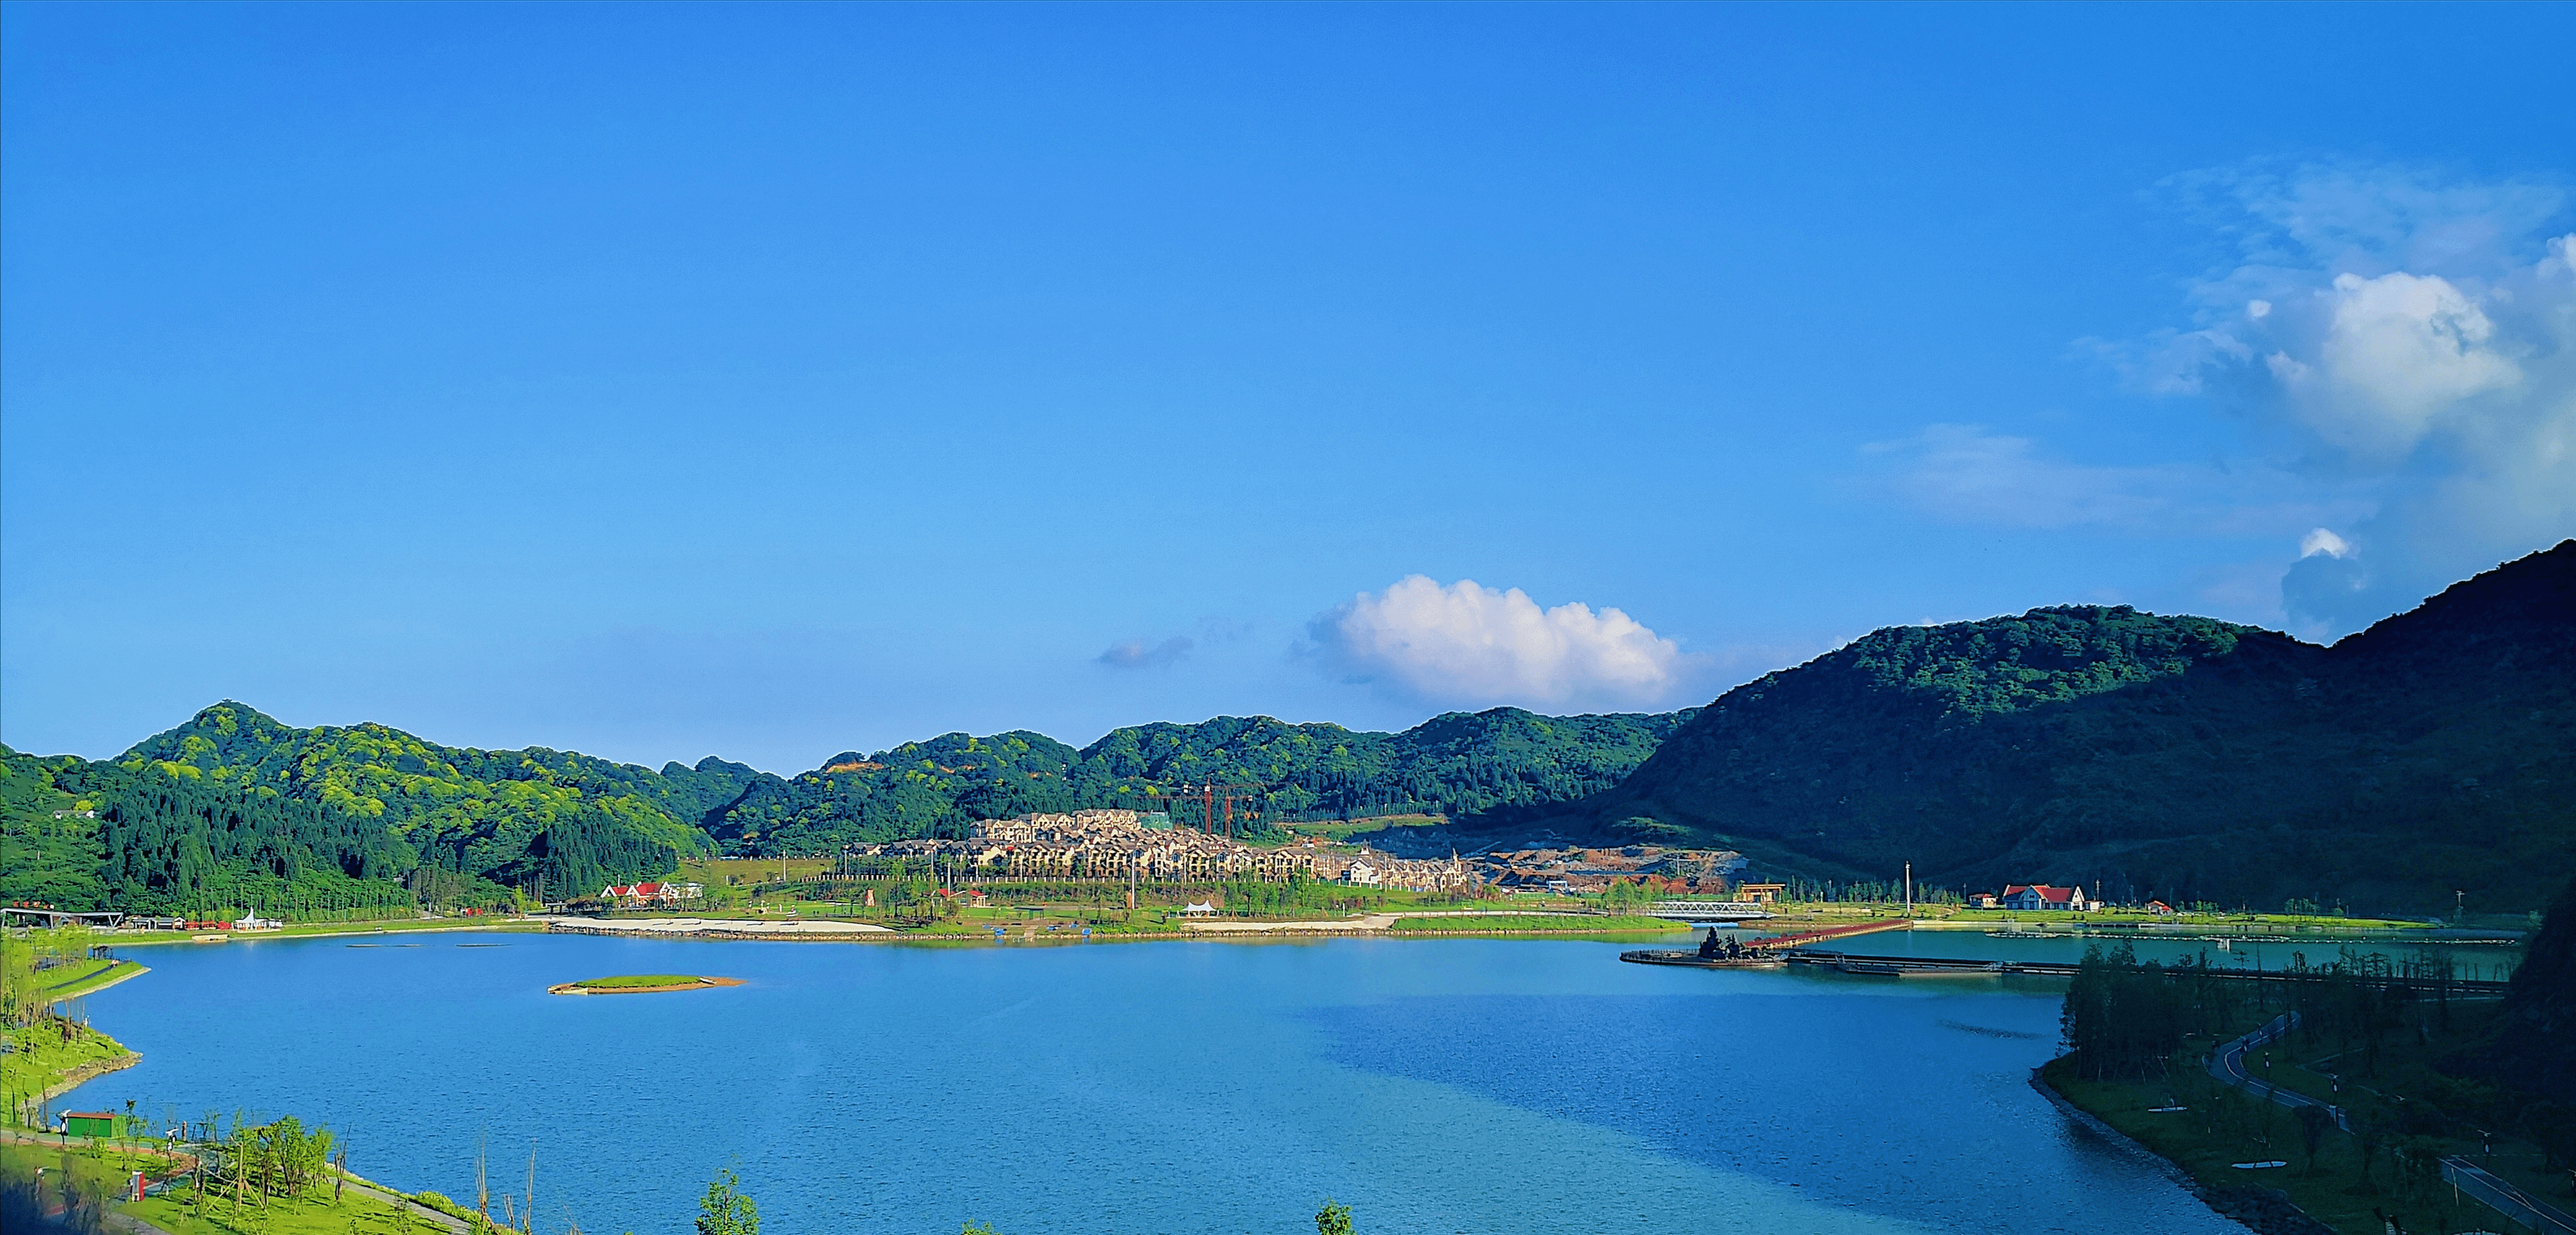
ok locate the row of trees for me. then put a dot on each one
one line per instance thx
(26, 956)
(2124, 1019)
(1869, 892)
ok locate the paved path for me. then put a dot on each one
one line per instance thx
(1370, 921)
(2227, 1063)
(2506, 1199)
(814, 928)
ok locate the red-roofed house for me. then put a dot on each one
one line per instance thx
(651, 893)
(2044, 896)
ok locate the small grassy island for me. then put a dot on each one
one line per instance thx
(640, 984)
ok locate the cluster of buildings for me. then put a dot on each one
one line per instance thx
(651, 895)
(1681, 872)
(1122, 845)
(2039, 896)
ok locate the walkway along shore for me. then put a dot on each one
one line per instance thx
(2227, 1063)
(1189, 928)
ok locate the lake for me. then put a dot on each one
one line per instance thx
(1455, 1085)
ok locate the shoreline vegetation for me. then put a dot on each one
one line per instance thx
(2373, 1097)
(1039, 912)
(641, 984)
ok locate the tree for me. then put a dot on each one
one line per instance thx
(1333, 1219)
(2313, 1122)
(725, 1210)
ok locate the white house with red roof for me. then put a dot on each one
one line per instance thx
(2045, 896)
(652, 893)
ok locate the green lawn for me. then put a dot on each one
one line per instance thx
(2212, 923)
(43, 1056)
(1517, 923)
(315, 1213)
(388, 926)
(630, 980)
(2225, 1126)
(2248, 1131)
(90, 976)
(71, 974)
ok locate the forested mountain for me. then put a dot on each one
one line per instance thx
(1457, 763)
(235, 810)
(2180, 757)
(2533, 1044)
(2173, 756)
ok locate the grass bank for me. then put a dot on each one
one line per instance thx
(51, 1057)
(1535, 923)
(2407, 1116)
(313, 1211)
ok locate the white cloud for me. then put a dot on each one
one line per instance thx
(1467, 645)
(2399, 350)
(2394, 337)
(2322, 541)
(2422, 345)
(1138, 654)
(1967, 473)
(1970, 474)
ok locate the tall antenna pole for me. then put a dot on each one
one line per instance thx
(1909, 889)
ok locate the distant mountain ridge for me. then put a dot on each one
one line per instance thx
(2180, 757)
(237, 808)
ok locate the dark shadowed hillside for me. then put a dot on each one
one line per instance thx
(2534, 1044)
(2179, 757)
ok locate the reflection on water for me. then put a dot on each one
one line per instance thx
(2487, 961)
(1458, 1085)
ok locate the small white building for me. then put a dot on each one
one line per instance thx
(2038, 896)
(1361, 872)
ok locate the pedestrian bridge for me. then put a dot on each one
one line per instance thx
(1709, 911)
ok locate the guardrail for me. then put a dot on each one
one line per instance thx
(2506, 1199)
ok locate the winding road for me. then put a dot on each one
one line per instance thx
(2227, 1063)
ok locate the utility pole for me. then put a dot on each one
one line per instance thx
(1909, 889)
(2459, 905)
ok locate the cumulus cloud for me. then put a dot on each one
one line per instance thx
(1138, 654)
(2320, 540)
(2397, 352)
(1468, 645)
(2407, 333)
(2399, 346)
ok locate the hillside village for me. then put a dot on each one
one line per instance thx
(1119, 845)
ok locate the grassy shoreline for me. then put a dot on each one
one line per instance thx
(2203, 1130)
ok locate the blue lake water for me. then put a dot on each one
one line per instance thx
(1459, 1085)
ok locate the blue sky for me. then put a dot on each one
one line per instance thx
(773, 381)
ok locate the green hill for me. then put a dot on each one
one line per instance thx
(2183, 758)
(235, 810)
(1457, 763)
(2179, 757)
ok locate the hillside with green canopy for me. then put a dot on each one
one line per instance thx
(2174, 757)
(236, 811)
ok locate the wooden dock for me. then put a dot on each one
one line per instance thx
(1788, 950)
(1771, 953)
